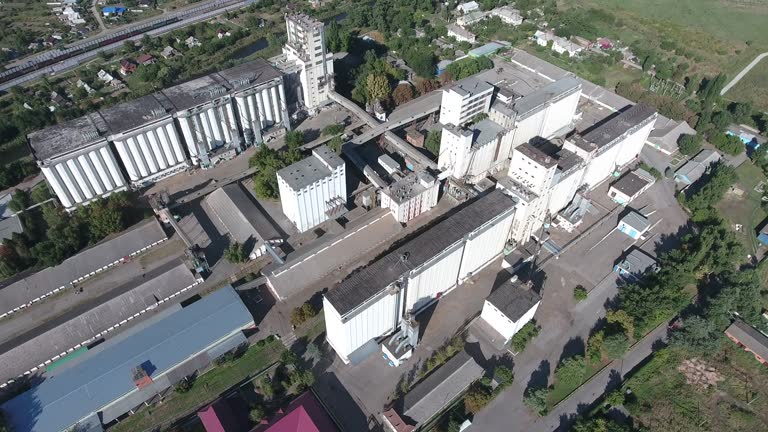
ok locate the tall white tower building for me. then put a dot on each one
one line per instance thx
(306, 48)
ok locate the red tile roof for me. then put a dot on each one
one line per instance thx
(304, 414)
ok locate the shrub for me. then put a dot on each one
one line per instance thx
(536, 400)
(651, 170)
(525, 335)
(504, 375)
(334, 129)
(595, 347)
(183, 386)
(571, 371)
(477, 398)
(235, 253)
(579, 293)
(302, 314)
(267, 388)
(689, 144)
(257, 414)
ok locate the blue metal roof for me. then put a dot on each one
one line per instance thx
(104, 376)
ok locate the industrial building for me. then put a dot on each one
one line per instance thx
(119, 376)
(146, 139)
(474, 152)
(464, 100)
(372, 302)
(434, 394)
(235, 214)
(411, 195)
(77, 161)
(141, 141)
(66, 340)
(21, 293)
(510, 306)
(630, 186)
(305, 54)
(314, 189)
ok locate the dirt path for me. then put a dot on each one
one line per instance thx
(97, 15)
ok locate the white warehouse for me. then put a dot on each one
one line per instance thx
(314, 189)
(371, 302)
(146, 139)
(76, 160)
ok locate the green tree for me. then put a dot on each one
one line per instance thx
(615, 345)
(579, 293)
(432, 143)
(267, 388)
(504, 375)
(595, 347)
(698, 335)
(301, 314)
(536, 400)
(377, 86)
(104, 219)
(301, 379)
(520, 340)
(622, 319)
(294, 139)
(256, 414)
(403, 93)
(335, 144)
(477, 397)
(689, 144)
(235, 253)
(334, 129)
(20, 201)
(571, 371)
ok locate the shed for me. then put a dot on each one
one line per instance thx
(487, 49)
(10, 226)
(510, 306)
(762, 236)
(635, 264)
(634, 224)
(750, 339)
(697, 166)
(630, 186)
(304, 414)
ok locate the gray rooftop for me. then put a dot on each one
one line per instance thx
(440, 388)
(630, 184)
(749, 337)
(536, 155)
(240, 216)
(373, 279)
(103, 377)
(196, 92)
(550, 93)
(513, 299)
(250, 74)
(67, 137)
(408, 186)
(470, 86)
(485, 131)
(138, 237)
(608, 132)
(567, 159)
(636, 221)
(697, 166)
(134, 114)
(17, 358)
(9, 226)
(310, 170)
(637, 262)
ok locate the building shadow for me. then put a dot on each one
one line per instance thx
(344, 410)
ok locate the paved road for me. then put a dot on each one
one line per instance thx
(743, 72)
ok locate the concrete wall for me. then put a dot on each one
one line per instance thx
(151, 151)
(505, 326)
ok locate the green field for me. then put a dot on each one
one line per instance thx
(753, 87)
(662, 400)
(745, 209)
(717, 31)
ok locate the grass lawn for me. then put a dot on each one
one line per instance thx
(561, 391)
(753, 87)
(206, 388)
(662, 400)
(745, 209)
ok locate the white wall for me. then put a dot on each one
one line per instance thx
(633, 144)
(563, 192)
(306, 207)
(150, 151)
(435, 277)
(484, 245)
(505, 326)
(404, 212)
(84, 177)
(375, 319)
(457, 109)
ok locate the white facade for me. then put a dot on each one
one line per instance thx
(84, 176)
(312, 189)
(151, 152)
(508, 15)
(208, 126)
(474, 153)
(421, 284)
(261, 107)
(503, 324)
(460, 34)
(411, 196)
(306, 48)
(468, 7)
(464, 100)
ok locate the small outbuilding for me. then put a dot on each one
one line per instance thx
(634, 225)
(509, 307)
(750, 339)
(635, 264)
(630, 186)
(697, 166)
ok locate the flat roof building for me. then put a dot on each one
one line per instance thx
(464, 100)
(313, 189)
(509, 307)
(630, 186)
(104, 384)
(410, 196)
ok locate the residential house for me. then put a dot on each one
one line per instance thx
(584, 43)
(605, 44)
(127, 67)
(169, 52)
(108, 11)
(145, 59)
(222, 34)
(471, 18)
(762, 236)
(563, 46)
(460, 34)
(508, 15)
(468, 7)
(192, 42)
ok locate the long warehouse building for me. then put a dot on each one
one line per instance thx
(370, 303)
(141, 141)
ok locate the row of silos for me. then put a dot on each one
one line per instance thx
(146, 139)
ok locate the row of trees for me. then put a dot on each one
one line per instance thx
(51, 235)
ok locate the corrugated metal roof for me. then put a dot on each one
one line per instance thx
(104, 376)
(749, 337)
(441, 387)
(373, 279)
(609, 131)
(240, 216)
(22, 292)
